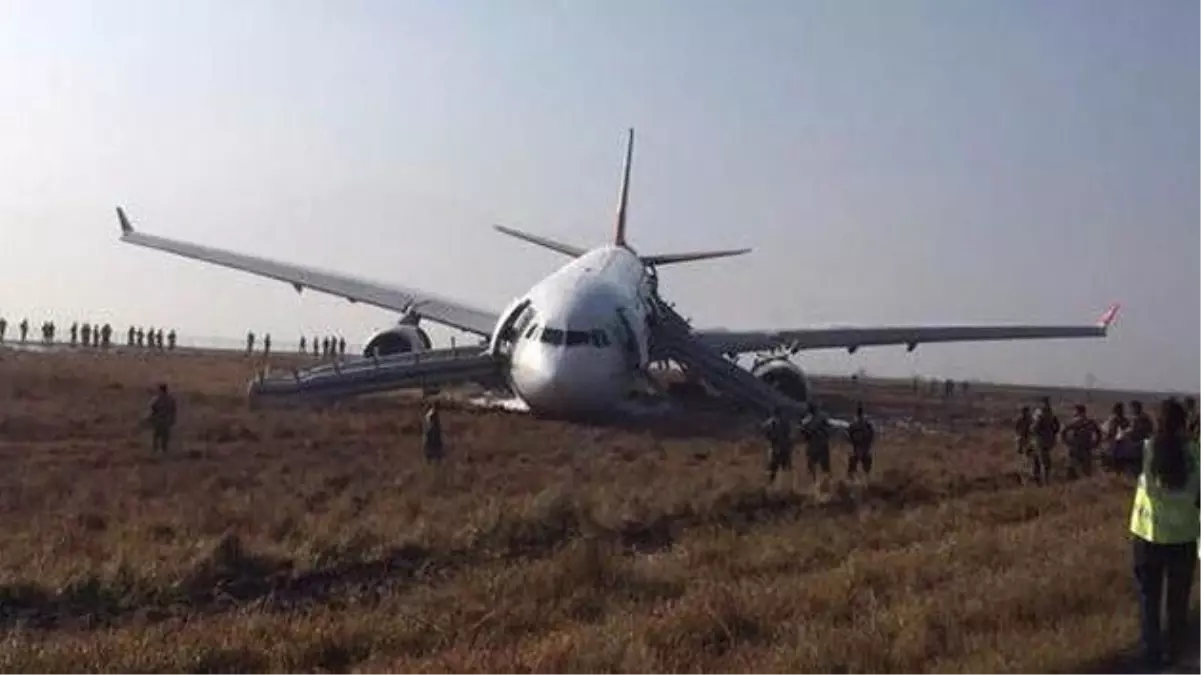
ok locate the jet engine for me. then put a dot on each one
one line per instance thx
(784, 375)
(399, 339)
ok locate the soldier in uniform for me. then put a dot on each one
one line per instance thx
(3, 327)
(862, 434)
(1194, 421)
(1141, 425)
(816, 431)
(86, 332)
(1022, 430)
(250, 342)
(1114, 432)
(431, 433)
(24, 326)
(161, 419)
(171, 339)
(1141, 428)
(1082, 435)
(267, 344)
(106, 335)
(140, 336)
(130, 337)
(341, 346)
(302, 349)
(74, 333)
(778, 432)
(1046, 433)
(316, 345)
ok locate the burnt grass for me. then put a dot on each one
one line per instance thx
(314, 538)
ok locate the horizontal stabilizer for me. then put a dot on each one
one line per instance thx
(669, 258)
(565, 249)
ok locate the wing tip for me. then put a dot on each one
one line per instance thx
(126, 227)
(1109, 316)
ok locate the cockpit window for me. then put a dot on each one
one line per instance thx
(572, 338)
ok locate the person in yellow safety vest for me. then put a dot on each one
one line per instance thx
(1165, 524)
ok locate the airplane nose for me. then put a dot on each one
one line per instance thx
(546, 379)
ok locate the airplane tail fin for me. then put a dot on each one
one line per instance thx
(623, 198)
(619, 234)
(623, 201)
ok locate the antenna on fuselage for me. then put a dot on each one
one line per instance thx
(623, 198)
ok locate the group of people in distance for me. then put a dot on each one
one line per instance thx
(1120, 438)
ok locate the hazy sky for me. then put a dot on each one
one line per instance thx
(894, 162)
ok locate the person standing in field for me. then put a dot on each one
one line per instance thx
(1164, 525)
(161, 419)
(1046, 433)
(1022, 429)
(431, 434)
(1082, 435)
(815, 429)
(1141, 424)
(1115, 431)
(862, 435)
(778, 432)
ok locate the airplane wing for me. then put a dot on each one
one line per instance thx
(851, 338)
(404, 300)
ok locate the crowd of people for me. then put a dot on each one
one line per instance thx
(1120, 438)
(1165, 516)
(89, 334)
(325, 347)
(816, 431)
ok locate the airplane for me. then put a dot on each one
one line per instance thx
(581, 339)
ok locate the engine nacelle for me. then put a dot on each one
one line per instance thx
(399, 339)
(783, 375)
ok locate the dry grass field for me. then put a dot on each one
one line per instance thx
(316, 540)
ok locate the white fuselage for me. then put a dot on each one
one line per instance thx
(577, 340)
